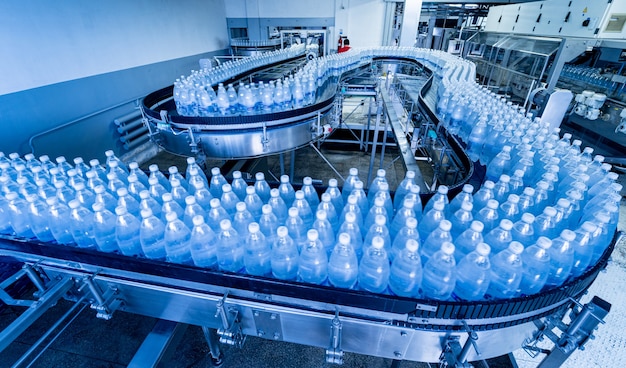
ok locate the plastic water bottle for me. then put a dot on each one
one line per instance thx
(325, 231)
(477, 139)
(239, 185)
(38, 217)
(435, 239)
(192, 209)
(124, 199)
(111, 157)
(536, 261)
(241, 219)
(44, 189)
(63, 165)
(335, 194)
(461, 219)
(310, 194)
(101, 196)
(257, 252)
(361, 199)
(296, 228)
(541, 197)
(385, 195)
(464, 196)
(192, 164)
(379, 228)
(483, 195)
(544, 224)
(127, 232)
(348, 184)
(523, 230)
(158, 175)
(377, 209)
(439, 274)
(175, 175)
(516, 183)
(526, 200)
(408, 231)
(81, 224)
(135, 186)
(156, 189)
(351, 227)
(399, 220)
(84, 195)
(501, 188)
(506, 272)
(488, 215)
(499, 237)
(179, 193)
(254, 203)
(561, 258)
(147, 202)
(403, 189)
(216, 182)
(268, 223)
(468, 240)
(203, 196)
(510, 208)
(414, 195)
(278, 205)
(374, 269)
(25, 187)
(58, 219)
(177, 236)
(500, 164)
(375, 184)
(602, 236)
(104, 224)
(284, 256)
(343, 266)
(473, 274)
(583, 248)
(440, 196)
(134, 169)
(431, 220)
(304, 210)
(229, 199)
(152, 235)
(114, 168)
(405, 278)
(287, 193)
(313, 263)
(261, 187)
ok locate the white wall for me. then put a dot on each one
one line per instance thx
(47, 42)
(365, 22)
(279, 8)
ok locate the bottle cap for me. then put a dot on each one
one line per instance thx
(383, 187)
(442, 189)
(378, 201)
(236, 174)
(172, 170)
(528, 218)
(332, 182)
(445, 225)
(42, 158)
(354, 171)
(190, 160)
(344, 239)
(253, 227)
(506, 224)
(549, 211)
(589, 226)
(477, 226)
(513, 198)
(352, 199)
(266, 209)
(284, 179)
(378, 242)
(293, 212)
(121, 210)
(412, 245)
(109, 153)
(411, 222)
(563, 203)
(568, 235)
(518, 173)
(439, 205)
(350, 217)
(60, 159)
(282, 231)
(321, 215)
(483, 249)
(133, 165)
(410, 174)
(468, 188)
(51, 200)
(112, 164)
(447, 248)
(215, 171)
(489, 184)
(299, 194)
(121, 192)
(132, 178)
(544, 242)
(152, 180)
(415, 189)
(381, 173)
(312, 235)
(225, 224)
(214, 202)
(505, 178)
(516, 247)
(226, 188)
(153, 168)
(189, 200)
(307, 180)
(492, 204)
(467, 206)
(90, 174)
(529, 191)
(144, 194)
(380, 220)
(259, 176)
(358, 184)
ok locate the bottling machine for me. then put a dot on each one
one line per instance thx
(230, 306)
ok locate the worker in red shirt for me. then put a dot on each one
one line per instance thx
(344, 44)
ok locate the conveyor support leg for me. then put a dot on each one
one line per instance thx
(217, 356)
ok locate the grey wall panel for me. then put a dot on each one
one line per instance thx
(28, 113)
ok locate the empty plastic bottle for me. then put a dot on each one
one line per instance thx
(335, 194)
(405, 278)
(216, 182)
(111, 157)
(58, 220)
(313, 262)
(536, 261)
(483, 195)
(62, 164)
(343, 264)
(468, 240)
(431, 220)
(440, 196)
(374, 268)
(287, 193)
(38, 217)
(526, 200)
(104, 226)
(152, 235)
(177, 240)
(310, 194)
(408, 231)
(523, 230)
(506, 272)
(257, 252)
(261, 187)
(435, 239)
(284, 256)
(114, 168)
(439, 274)
(278, 205)
(348, 184)
(473, 274)
(403, 189)
(127, 228)
(516, 182)
(561, 258)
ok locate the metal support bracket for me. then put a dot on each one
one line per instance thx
(455, 355)
(334, 354)
(230, 333)
(105, 303)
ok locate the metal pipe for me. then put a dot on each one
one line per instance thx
(130, 126)
(134, 134)
(326, 160)
(379, 110)
(122, 120)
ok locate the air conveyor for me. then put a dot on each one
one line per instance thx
(230, 306)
